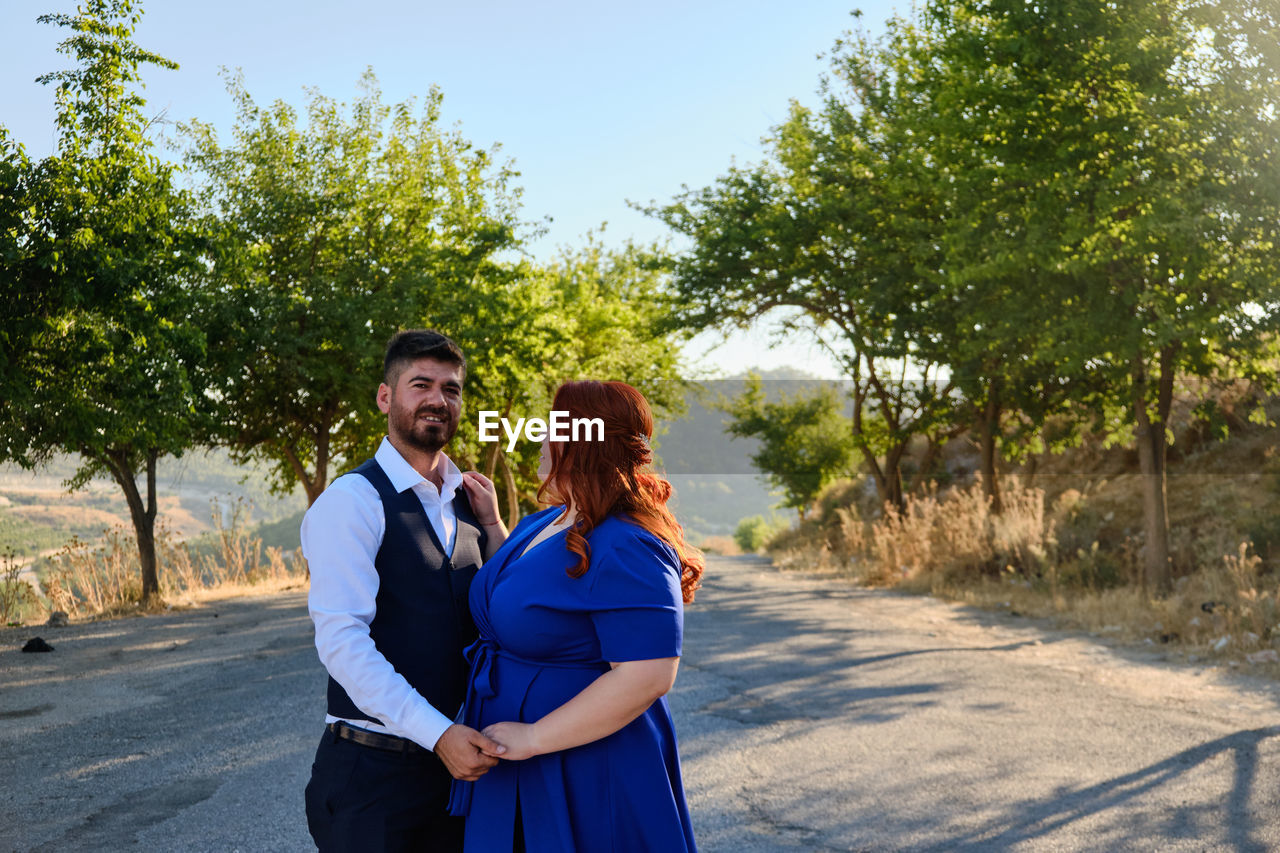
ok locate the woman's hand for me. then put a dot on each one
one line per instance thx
(601, 708)
(518, 738)
(484, 503)
(484, 497)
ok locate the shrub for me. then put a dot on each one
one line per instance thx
(754, 532)
(17, 596)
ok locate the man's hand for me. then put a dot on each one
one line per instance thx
(466, 753)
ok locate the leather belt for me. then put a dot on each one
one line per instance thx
(389, 743)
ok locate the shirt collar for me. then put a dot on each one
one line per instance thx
(404, 476)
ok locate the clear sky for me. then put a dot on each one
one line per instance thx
(597, 103)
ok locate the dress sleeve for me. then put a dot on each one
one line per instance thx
(637, 605)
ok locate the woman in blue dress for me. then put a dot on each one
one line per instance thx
(580, 614)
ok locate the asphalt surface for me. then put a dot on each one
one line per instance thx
(812, 716)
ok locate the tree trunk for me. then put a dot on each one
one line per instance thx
(313, 485)
(143, 516)
(888, 477)
(1152, 456)
(873, 464)
(491, 464)
(896, 496)
(321, 480)
(933, 448)
(989, 428)
(1029, 470)
(314, 489)
(877, 474)
(893, 476)
(513, 499)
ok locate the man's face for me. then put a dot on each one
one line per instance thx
(425, 406)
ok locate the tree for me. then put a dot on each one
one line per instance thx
(369, 219)
(979, 314)
(593, 312)
(895, 210)
(14, 171)
(98, 348)
(754, 532)
(841, 224)
(334, 235)
(805, 440)
(1070, 203)
(1126, 156)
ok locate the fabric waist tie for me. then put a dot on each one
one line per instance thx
(483, 656)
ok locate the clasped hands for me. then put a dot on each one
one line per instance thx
(468, 754)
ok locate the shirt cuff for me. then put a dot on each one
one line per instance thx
(427, 727)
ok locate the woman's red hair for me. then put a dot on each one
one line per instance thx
(614, 476)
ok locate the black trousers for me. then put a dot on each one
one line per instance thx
(365, 799)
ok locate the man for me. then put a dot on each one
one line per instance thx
(392, 547)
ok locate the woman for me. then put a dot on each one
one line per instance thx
(580, 615)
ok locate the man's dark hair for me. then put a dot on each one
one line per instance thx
(410, 345)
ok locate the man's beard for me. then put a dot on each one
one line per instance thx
(421, 434)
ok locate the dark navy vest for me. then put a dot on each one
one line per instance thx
(422, 622)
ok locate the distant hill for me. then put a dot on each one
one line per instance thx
(37, 514)
(715, 483)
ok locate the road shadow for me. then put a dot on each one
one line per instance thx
(1029, 820)
(1257, 683)
(781, 660)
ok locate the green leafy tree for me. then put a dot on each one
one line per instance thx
(98, 349)
(366, 219)
(336, 233)
(984, 322)
(14, 172)
(1121, 160)
(840, 227)
(593, 312)
(754, 532)
(805, 440)
(886, 215)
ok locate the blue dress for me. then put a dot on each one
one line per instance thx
(545, 636)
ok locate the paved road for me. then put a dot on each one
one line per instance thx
(812, 716)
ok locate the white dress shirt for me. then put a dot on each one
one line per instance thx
(341, 535)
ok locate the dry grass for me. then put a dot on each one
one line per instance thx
(232, 589)
(18, 597)
(93, 581)
(933, 540)
(1074, 557)
(723, 545)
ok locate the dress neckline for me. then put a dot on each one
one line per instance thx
(526, 548)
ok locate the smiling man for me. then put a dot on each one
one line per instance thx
(392, 547)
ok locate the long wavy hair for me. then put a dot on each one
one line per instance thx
(614, 476)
